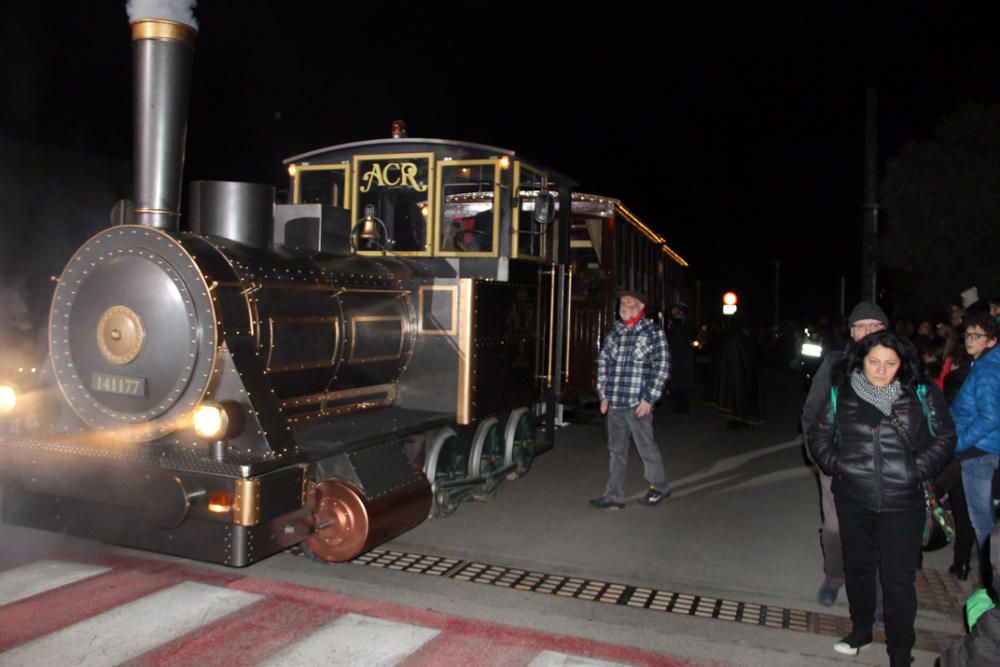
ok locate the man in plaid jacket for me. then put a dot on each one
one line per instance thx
(632, 369)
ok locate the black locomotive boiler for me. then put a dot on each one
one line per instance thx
(326, 372)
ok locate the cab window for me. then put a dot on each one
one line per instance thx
(321, 185)
(391, 202)
(469, 216)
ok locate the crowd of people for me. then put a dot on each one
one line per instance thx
(899, 413)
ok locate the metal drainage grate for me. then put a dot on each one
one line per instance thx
(931, 587)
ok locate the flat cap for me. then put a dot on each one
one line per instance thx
(635, 294)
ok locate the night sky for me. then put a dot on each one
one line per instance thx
(736, 130)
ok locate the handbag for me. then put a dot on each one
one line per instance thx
(939, 526)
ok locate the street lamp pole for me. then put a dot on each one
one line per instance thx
(777, 282)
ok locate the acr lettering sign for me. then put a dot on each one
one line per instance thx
(406, 174)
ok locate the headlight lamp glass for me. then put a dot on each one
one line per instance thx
(8, 399)
(210, 421)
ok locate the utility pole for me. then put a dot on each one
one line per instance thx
(869, 243)
(777, 282)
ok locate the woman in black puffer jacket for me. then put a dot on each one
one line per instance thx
(879, 444)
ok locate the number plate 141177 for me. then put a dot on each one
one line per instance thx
(118, 384)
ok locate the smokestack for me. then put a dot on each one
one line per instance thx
(162, 53)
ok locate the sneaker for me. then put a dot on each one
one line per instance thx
(827, 595)
(851, 644)
(653, 497)
(604, 503)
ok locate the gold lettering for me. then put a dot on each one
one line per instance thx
(409, 177)
(385, 173)
(372, 175)
(392, 173)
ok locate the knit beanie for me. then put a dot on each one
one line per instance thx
(866, 310)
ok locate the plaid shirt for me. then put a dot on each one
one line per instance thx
(634, 364)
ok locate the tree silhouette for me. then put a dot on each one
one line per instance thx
(942, 199)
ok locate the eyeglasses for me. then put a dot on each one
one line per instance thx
(875, 326)
(972, 335)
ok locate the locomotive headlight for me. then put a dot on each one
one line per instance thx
(210, 421)
(218, 421)
(8, 399)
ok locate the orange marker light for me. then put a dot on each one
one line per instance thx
(220, 501)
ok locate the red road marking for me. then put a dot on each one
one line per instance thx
(260, 630)
(482, 631)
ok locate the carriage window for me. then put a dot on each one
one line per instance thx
(395, 189)
(322, 186)
(468, 220)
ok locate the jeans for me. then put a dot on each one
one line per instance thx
(622, 423)
(887, 543)
(833, 558)
(977, 478)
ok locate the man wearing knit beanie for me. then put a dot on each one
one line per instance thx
(867, 313)
(866, 318)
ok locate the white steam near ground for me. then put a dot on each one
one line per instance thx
(181, 11)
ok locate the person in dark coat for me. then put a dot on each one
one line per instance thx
(865, 318)
(681, 358)
(735, 390)
(888, 431)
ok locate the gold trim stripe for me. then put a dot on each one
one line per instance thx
(246, 504)
(156, 211)
(336, 395)
(463, 409)
(163, 29)
(452, 292)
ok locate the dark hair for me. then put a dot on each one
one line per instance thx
(911, 370)
(985, 322)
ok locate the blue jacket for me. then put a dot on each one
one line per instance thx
(976, 409)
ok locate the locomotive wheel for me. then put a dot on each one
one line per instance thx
(445, 462)
(519, 439)
(487, 449)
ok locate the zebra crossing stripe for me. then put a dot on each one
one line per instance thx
(354, 640)
(130, 630)
(556, 659)
(45, 575)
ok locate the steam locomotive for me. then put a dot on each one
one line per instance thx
(327, 372)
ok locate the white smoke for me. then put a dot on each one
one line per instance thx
(181, 11)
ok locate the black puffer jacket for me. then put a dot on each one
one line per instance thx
(871, 464)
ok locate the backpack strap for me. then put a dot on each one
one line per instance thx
(922, 396)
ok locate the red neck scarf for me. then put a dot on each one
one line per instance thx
(632, 320)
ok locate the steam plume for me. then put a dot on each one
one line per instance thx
(181, 11)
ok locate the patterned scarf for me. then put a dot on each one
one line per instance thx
(880, 397)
